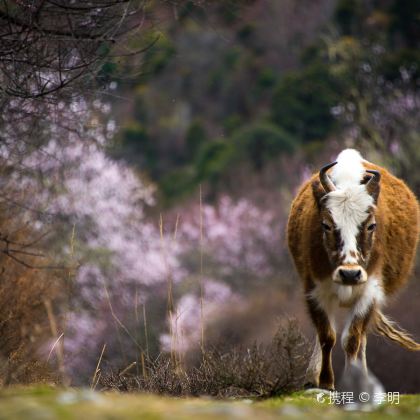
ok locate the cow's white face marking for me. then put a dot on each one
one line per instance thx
(349, 206)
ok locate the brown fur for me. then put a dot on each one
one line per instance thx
(327, 339)
(357, 330)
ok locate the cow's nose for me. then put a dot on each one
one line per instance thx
(350, 276)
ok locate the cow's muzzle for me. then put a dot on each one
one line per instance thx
(350, 275)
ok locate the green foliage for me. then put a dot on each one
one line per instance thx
(188, 9)
(261, 142)
(266, 78)
(213, 159)
(232, 58)
(348, 15)
(140, 111)
(246, 32)
(232, 123)
(256, 143)
(393, 62)
(229, 10)
(136, 147)
(107, 71)
(303, 100)
(405, 15)
(234, 97)
(177, 183)
(391, 25)
(158, 56)
(196, 136)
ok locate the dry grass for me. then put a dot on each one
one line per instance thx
(258, 371)
(24, 319)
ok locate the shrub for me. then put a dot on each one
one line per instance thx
(258, 371)
(261, 142)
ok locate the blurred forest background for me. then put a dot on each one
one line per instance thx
(147, 170)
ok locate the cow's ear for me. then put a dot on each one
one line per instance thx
(318, 192)
(373, 188)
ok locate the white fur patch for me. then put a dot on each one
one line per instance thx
(324, 295)
(350, 203)
(349, 169)
(344, 293)
(373, 293)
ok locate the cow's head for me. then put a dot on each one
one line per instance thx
(347, 221)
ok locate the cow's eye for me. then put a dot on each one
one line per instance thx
(326, 227)
(371, 227)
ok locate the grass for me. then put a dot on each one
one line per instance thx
(43, 402)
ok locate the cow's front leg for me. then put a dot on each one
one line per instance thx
(326, 338)
(354, 338)
(356, 377)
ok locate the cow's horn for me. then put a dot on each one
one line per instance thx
(325, 179)
(374, 180)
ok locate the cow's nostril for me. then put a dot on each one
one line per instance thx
(350, 276)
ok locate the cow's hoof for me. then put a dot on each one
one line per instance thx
(310, 385)
(329, 388)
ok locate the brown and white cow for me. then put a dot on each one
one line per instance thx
(352, 232)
